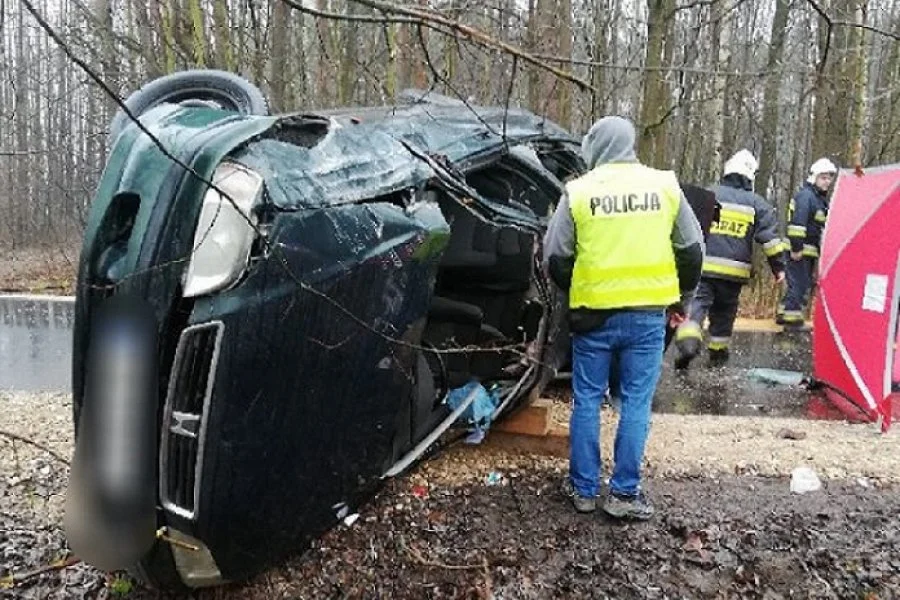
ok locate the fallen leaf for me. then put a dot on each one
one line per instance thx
(693, 544)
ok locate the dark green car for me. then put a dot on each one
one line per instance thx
(254, 357)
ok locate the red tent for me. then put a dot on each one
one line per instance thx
(855, 333)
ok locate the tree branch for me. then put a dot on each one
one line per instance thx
(383, 19)
(441, 23)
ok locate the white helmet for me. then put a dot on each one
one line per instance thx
(821, 166)
(742, 163)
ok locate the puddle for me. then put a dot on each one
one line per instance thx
(730, 390)
(36, 343)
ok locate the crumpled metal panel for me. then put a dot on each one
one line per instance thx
(367, 153)
(325, 395)
(348, 165)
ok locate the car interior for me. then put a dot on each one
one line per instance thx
(486, 296)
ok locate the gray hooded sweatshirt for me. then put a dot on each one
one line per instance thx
(612, 140)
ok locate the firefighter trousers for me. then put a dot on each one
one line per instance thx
(717, 299)
(799, 275)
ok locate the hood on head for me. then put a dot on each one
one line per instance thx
(610, 140)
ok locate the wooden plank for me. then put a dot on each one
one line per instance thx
(554, 443)
(534, 419)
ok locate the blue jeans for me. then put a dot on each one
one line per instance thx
(632, 343)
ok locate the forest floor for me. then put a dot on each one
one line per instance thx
(487, 522)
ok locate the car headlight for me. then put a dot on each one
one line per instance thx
(225, 231)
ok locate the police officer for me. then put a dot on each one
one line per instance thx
(806, 220)
(626, 245)
(743, 218)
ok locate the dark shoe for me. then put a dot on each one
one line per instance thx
(582, 504)
(779, 319)
(718, 358)
(628, 507)
(683, 362)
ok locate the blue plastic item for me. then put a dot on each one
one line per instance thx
(480, 412)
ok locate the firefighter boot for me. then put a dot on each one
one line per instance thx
(688, 339)
(718, 357)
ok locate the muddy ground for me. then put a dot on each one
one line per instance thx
(485, 522)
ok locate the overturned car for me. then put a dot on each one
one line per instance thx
(274, 313)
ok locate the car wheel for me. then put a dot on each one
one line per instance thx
(210, 87)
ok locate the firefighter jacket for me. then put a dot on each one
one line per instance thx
(806, 220)
(745, 217)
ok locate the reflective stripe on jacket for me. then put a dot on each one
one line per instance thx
(807, 214)
(745, 217)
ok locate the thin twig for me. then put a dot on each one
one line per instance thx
(417, 556)
(322, 14)
(18, 438)
(15, 579)
(438, 22)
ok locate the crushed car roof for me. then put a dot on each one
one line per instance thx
(365, 153)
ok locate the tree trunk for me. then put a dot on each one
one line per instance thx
(598, 55)
(324, 72)
(533, 34)
(279, 58)
(563, 20)
(198, 33)
(349, 54)
(167, 33)
(860, 72)
(772, 97)
(720, 62)
(222, 27)
(151, 50)
(655, 105)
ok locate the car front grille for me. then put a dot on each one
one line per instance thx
(184, 419)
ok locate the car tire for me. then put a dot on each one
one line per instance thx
(199, 86)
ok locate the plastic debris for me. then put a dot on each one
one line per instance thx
(803, 480)
(341, 510)
(349, 520)
(776, 376)
(494, 478)
(479, 414)
(476, 437)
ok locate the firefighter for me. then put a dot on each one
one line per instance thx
(744, 217)
(626, 245)
(806, 220)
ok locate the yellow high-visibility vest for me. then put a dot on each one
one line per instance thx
(623, 215)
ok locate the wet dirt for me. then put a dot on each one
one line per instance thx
(728, 537)
(731, 389)
(711, 538)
